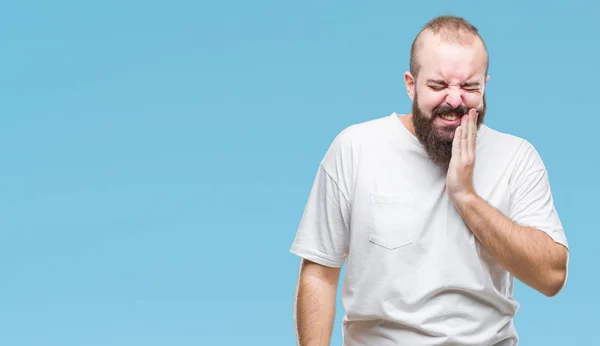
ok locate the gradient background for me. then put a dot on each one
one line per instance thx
(156, 157)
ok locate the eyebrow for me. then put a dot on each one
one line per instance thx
(436, 81)
(471, 84)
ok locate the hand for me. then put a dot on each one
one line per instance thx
(459, 179)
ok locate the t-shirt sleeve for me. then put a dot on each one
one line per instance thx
(532, 204)
(323, 232)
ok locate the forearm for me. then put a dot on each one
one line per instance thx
(315, 310)
(530, 255)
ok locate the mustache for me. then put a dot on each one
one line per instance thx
(446, 110)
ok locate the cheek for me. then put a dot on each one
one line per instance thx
(431, 100)
(473, 100)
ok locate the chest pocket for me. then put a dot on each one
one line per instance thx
(392, 219)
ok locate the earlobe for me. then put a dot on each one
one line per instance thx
(409, 82)
(488, 78)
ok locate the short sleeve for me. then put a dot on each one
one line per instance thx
(532, 204)
(324, 230)
(322, 235)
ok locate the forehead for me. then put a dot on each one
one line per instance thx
(451, 61)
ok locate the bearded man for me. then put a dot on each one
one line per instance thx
(434, 214)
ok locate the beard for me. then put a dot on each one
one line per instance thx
(437, 141)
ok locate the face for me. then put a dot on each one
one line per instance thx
(437, 138)
(451, 80)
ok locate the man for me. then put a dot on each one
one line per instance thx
(433, 213)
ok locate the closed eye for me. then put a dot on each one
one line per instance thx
(471, 86)
(437, 87)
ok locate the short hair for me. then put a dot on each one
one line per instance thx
(452, 29)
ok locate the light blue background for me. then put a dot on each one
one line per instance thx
(156, 157)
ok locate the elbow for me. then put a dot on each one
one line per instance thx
(555, 282)
(557, 275)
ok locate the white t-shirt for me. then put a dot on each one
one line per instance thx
(415, 274)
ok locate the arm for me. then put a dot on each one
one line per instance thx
(322, 241)
(530, 255)
(314, 308)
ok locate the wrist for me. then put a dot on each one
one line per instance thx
(464, 198)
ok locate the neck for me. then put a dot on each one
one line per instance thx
(407, 121)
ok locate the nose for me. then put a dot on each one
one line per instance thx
(454, 98)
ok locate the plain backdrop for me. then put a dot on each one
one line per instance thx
(156, 157)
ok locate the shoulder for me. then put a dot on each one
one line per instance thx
(362, 132)
(508, 142)
(522, 155)
(496, 137)
(348, 148)
(353, 138)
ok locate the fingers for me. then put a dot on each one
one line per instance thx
(464, 124)
(465, 136)
(472, 136)
(456, 143)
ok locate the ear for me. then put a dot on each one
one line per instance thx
(410, 83)
(485, 84)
